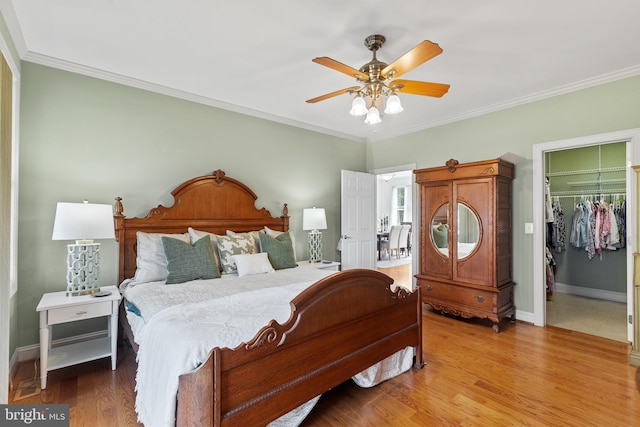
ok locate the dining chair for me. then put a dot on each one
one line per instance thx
(392, 244)
(403, 240)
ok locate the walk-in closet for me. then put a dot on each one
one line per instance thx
(585, 216)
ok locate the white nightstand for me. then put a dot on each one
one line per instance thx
(333, 265)
(56, 308)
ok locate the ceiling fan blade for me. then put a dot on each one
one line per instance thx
(419, 88)
(339, 66)
(416, 56)
(332, 94)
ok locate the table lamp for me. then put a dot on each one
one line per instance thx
(314, 219)
(83, 222)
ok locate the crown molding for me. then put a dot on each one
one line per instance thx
(84, 70)
(164, 90)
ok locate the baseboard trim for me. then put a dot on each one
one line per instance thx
(592, 293)
(525, 316)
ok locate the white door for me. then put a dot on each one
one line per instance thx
(358, 220)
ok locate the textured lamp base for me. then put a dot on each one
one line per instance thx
(315, 246)
(83, 269)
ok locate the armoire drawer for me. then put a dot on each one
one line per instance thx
(461, 295)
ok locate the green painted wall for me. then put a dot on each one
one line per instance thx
(604, 108)
(84, 138)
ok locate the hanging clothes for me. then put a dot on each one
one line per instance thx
(598, 226)
(557, 228)
(548, 207)
(613, 242)
(551, 269)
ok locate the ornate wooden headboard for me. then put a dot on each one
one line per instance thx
(213, 203)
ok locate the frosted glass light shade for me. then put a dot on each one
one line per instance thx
(373, 116)
(393, 105)
(358, 107)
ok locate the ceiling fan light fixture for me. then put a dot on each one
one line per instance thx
(393, 105)
(358, 107)
(377, 80)
(373, 116)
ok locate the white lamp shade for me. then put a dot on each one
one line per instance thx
(314, 219)
(358, 107)
(393, 105)
(83, 221)
(373, 116)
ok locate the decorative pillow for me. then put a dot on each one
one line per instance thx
(254, 234)
(196, 235)
(151, 262)
(440, 235)
(280, 250)
(187, 262)
(276, 233)
(228, 246)
(253, 264)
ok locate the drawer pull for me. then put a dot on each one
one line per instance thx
(428, 287)
(479, 298)
(79, 313)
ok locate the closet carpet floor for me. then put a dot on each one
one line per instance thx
(602, 318)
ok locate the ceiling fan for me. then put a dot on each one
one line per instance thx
(375, 79)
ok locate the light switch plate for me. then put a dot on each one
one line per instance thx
(528, 228)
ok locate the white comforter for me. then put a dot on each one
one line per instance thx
(177, 336)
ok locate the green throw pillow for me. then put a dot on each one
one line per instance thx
(279, 250)
(187, 262)
(440, 236)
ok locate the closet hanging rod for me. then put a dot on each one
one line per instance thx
(585, 171)
(597, 181)
(608, 192)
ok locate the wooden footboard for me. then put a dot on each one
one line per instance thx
(340, 326)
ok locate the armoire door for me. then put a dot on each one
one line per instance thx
(474, 224)
(435, 253)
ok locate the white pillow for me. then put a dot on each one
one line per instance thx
(253, 264)
(276, 233)
(196, 235)
(151, 262)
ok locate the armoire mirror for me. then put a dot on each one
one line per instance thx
(468, 231)
(440, 229)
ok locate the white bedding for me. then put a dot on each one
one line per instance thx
(464, 249)
(176, 337)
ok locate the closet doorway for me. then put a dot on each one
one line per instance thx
(586, 240)
(627, 141)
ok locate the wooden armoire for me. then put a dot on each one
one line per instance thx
(465, 265)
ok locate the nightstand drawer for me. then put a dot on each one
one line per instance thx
(78, 312)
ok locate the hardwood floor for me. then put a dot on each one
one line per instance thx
(525, 375)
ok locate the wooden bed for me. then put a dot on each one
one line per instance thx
(339, 326)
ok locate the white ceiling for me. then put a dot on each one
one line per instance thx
(255, 57)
